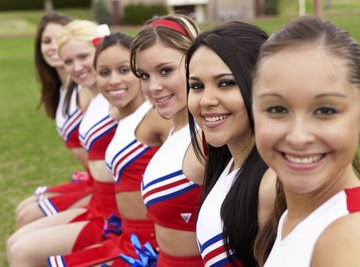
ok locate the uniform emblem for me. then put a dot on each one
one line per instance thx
(186, 216)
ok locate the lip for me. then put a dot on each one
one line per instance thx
(162, 101)
(213, 120)
(117, 93)
(303, 162)
(83, 75)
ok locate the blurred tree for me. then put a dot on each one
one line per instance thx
(317, 8)
(48, 5)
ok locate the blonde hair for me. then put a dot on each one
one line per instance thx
(83, 30)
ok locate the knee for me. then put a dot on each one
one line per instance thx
(18, 253)
(12, 252)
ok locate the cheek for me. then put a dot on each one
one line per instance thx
(193, 104)
(68, 70)
(101, 84)
(145, 88)
(263, 135)
(43, 49)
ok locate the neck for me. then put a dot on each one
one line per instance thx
(131, 107)
(62, 74)
(241, 151)
(180, 119)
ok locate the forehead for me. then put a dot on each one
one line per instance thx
(305, 72)
(156, 54)
(52, 29)
(206, 61)
(75, 47)
(114, 53)
(302, 65)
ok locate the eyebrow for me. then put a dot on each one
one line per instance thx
(317, 96)
(331, 95)
(157, 66)
(216, 77)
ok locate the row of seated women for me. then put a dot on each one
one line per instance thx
(172, 173)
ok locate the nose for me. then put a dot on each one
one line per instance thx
(155, 84)
(300, 133)
(77, 66)
(115, 79)
(209, 97)
(53, 44)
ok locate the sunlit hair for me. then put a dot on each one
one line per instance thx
(305, 31)
(47, 75)
(165, 34)
(113, 39)
(82, 30)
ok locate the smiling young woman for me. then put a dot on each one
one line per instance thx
(307, 131)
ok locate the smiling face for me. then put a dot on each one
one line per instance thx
(163, 79)
(307, 118)
(78, 57)
(49, 44)
(114, 78)
(215, 101)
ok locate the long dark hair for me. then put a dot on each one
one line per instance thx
(306, 30)
(47, 75)
(238, 45)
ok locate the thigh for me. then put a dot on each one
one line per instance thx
(35, 247)
(28, 214)
(40, 224)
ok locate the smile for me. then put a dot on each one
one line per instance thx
(162, 100)
(304, 160)
(216, 118)
(116, 92)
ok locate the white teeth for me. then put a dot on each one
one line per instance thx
(216, 118)
(163, 99)
(306, 160)
(117, 92)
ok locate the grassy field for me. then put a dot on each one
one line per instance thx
(32, 154)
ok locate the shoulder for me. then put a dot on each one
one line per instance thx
(267, 195)
(154, 129)
(339, 244)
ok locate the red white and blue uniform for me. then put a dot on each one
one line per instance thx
(209, 235)
(126, 158)
(172, 200)
(97, 129)
(297, 247)
(95, 132)
(67, 125)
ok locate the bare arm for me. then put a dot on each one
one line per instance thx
(339, 244)
(267, 192)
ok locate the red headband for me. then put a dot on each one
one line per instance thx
(103, 30)
(171, 25)
(97, 40)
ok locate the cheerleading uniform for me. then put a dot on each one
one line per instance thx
(95, 133)
(297, 247)
(126, 158)
(69, 193)
(67, 125)
(172, 199)
(209, 235)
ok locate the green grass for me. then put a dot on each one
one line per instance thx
(31, 151)
(32, 154)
